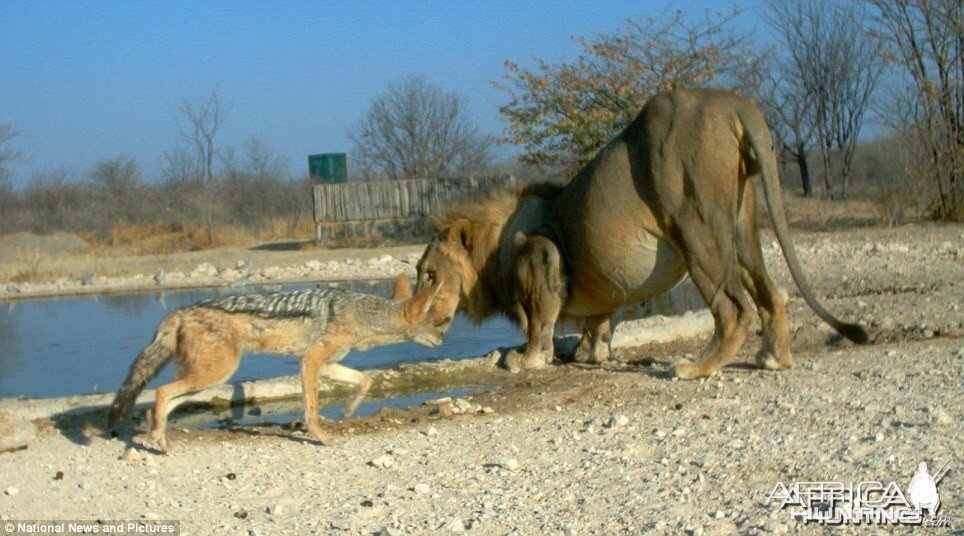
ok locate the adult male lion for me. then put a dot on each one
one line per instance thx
(673, 193)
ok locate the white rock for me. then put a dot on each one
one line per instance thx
(421, 488)
(12, 491)
(617, 421)
(431, 432)
(510, 464)
(455, 525)
(382, 462)
(776, 527)
(151, 515)
(942, 418)
(131, 455)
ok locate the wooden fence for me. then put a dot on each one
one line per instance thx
(389, 207)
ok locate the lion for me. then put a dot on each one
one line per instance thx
(672, 194)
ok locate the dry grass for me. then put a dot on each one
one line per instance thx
(286, 229)
(813, 214)
(163, 238)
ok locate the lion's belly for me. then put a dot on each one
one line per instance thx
(607, 276)
(615, 249)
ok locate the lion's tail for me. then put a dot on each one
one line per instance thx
(145, 367)
(759, 136)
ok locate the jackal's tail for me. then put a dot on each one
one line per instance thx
(145, 367)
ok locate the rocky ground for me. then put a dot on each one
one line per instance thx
(621, 448)
(39, 275)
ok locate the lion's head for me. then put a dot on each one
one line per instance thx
(465, 252)
(447, 262)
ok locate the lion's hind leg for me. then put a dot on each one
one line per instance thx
(597, 334)
(710, 255)
(774, 353)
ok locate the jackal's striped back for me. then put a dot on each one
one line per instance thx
(299, 303)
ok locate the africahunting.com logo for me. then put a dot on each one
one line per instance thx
(867, 502)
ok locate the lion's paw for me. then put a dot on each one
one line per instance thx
(769, 361)
(590, 356)
(517, 361)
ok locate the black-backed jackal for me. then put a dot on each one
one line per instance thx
(206, 341)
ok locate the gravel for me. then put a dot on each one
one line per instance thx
(621, 449)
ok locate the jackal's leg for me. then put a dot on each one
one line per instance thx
(198, 372)
(206, 357)
(341, 373)
(311, 363)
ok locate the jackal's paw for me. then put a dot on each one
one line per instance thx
(688, 371)
(160, 442)
(769, 361)
(326, 440)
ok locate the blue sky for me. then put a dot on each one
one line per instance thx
(89, 80)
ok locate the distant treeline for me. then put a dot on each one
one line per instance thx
(115, 193)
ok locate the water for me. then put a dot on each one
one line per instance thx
(70, 346)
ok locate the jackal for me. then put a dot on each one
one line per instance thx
(206, 341)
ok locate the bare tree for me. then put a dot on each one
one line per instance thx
(417, 130)
(790, 114)
(200, 125)
(117, 183)
(838, 64)
(8, 153)
(926, 39)
(180, 166)
(201, 122)
(116, 177)
(261, 160)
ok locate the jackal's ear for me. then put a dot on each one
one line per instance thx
(418, 307)
(460, 232)
(403, 290)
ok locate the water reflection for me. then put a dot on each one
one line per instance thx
(68, 346)
(58, 347)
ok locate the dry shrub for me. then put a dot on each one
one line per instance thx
(163, 238)
(32, 270)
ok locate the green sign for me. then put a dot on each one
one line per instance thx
(328, 167)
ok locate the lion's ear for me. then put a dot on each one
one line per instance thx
(460, 232)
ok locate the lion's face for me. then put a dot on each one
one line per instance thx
(445, 263)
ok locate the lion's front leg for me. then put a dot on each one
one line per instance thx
(597, 334)
(540, 290)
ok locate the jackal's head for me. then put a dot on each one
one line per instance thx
(420, 328)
